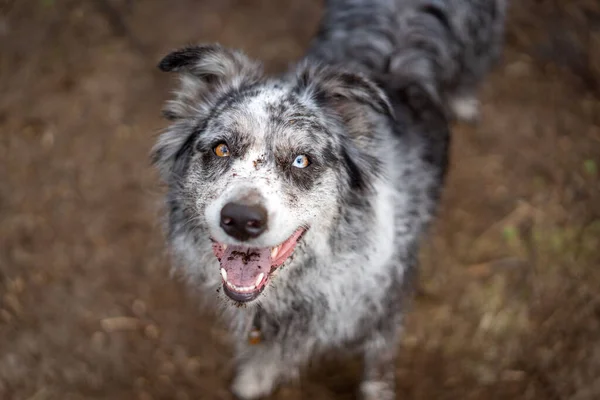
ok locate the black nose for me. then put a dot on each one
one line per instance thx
(243, 222)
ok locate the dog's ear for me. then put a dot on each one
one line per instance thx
(345, 92)
(206, 71)
(360, 107)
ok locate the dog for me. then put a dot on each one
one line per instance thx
(298, 202)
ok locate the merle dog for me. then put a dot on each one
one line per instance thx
(304, 196)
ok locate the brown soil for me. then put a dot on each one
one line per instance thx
(509, 306)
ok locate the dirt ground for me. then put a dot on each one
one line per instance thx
(509, 301)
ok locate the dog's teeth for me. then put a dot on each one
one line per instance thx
(224, 247)
(259, 279)
(274, 252)
(224, 274)
(240, 288)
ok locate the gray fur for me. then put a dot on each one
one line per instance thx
(377, 134)
(448, 45)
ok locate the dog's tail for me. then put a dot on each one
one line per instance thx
(445, 45)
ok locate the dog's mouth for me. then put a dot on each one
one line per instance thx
(247, 270)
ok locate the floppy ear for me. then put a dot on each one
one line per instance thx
(345, 92)
(205, 72)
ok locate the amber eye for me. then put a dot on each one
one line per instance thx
(221, 150)
(301, 161)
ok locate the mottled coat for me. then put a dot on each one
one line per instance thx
(365, 113)
(448, 45)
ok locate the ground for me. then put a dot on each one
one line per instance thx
(509, 298)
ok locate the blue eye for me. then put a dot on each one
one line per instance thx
(301, 161)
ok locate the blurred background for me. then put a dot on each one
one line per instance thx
(509, 298)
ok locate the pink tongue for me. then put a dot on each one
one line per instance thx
(243, 264)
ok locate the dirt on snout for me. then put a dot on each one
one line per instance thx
(509, 298)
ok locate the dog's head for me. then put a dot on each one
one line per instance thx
(257, 165)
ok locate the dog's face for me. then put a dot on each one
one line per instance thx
(260, 175)
(256, 163)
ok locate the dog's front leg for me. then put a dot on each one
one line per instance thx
(379, 380)
(260, 370)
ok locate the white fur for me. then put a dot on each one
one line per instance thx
(465, 108)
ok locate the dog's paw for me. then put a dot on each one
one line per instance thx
(254, 382)
(465, 108)
(377, 390)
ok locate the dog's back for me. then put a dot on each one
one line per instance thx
(448, 45)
